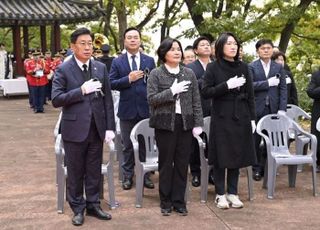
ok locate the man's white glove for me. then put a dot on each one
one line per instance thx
(273, 81)
(91, 86)
(180, 87)
(288, 80)
(253, 126)
(109, 136)
(281, 112)
(196, 131)
(236, 82)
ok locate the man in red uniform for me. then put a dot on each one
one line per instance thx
(36, 70)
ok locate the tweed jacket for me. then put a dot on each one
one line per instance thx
(162, 102)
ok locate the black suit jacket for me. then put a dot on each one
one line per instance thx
(198, 70)
(79, 110)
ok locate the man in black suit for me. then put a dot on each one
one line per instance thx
(81, 87)
(270, 91)
(201, 47)
(106, 59)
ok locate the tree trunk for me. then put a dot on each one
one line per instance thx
(122, 20)
(197, 18)
(291, 23)
(107, 19)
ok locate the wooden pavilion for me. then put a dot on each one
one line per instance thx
(20, 14)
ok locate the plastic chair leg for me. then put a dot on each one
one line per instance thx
(250, 183)
(314, 179)
(204, 183)
(139, 188)
(292, 174)
(61, 189)
(271, 180)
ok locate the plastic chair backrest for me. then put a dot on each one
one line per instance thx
(142, 128)
(295, 112)
(206, 125)
(276, 127)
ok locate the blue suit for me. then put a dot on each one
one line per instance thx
(267, 99)
(133, 104)
(85, 119)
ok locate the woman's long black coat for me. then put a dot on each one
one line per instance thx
(313, 91)
(231, 142)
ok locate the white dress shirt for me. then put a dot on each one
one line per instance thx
(175, 70)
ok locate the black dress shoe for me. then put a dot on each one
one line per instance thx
(211, 179)
(166, 211)
(318, 169)
(257, 176)
(99, 213)
(148, 182)
(78, 219)
(195, 181)
(181, 211)
(127, 183)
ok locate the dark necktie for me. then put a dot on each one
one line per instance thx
(85, 72)
(134, 64)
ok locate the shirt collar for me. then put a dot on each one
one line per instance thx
(80, 63)
(174, 70)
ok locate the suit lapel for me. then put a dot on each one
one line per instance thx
(272, 71)
(142, 61)
(260, 69)
(76, 71)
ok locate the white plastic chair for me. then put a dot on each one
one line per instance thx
(205, 167)
(273, 128)
(301, 141)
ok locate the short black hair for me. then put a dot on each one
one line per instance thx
(221, 41)
(165, 46)
(262, 42)
(278, 54)
(2, 44)
(129, 29)
(198, 40)
(189, 47)
(78, 32)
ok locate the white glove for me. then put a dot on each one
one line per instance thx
(235, 82)
(180, 87)
(196, 131)
(273, 81)
(109, 136)
(91, 86)
(281, 112)
(253, 126)
(288, 80)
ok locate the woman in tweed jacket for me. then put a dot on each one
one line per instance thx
(176, 114)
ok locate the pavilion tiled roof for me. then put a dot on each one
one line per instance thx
(45, 12)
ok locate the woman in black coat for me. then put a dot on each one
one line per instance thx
(313, 91)
(231, 144)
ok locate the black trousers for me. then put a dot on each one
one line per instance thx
(128, 155)
(83, 160)
(174, 152)
(261, 151)
(232, 180)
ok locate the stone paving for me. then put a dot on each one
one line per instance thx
(28, 189)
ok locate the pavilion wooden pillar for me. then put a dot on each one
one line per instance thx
(25, 41)
(43, 37)
(16, 34)
(55, 37)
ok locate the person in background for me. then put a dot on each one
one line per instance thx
(270, 91)
(292, 95)
(81, 87)
(202, 49)
(227, 82)
(5, 63)
(313, 91)
(105, 58)
(37, 69)
(189, 56)
(49, 63)
(128, 76)
(29, 78)
(213, 51)
(176, 114)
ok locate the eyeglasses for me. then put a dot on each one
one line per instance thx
(84, 44)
